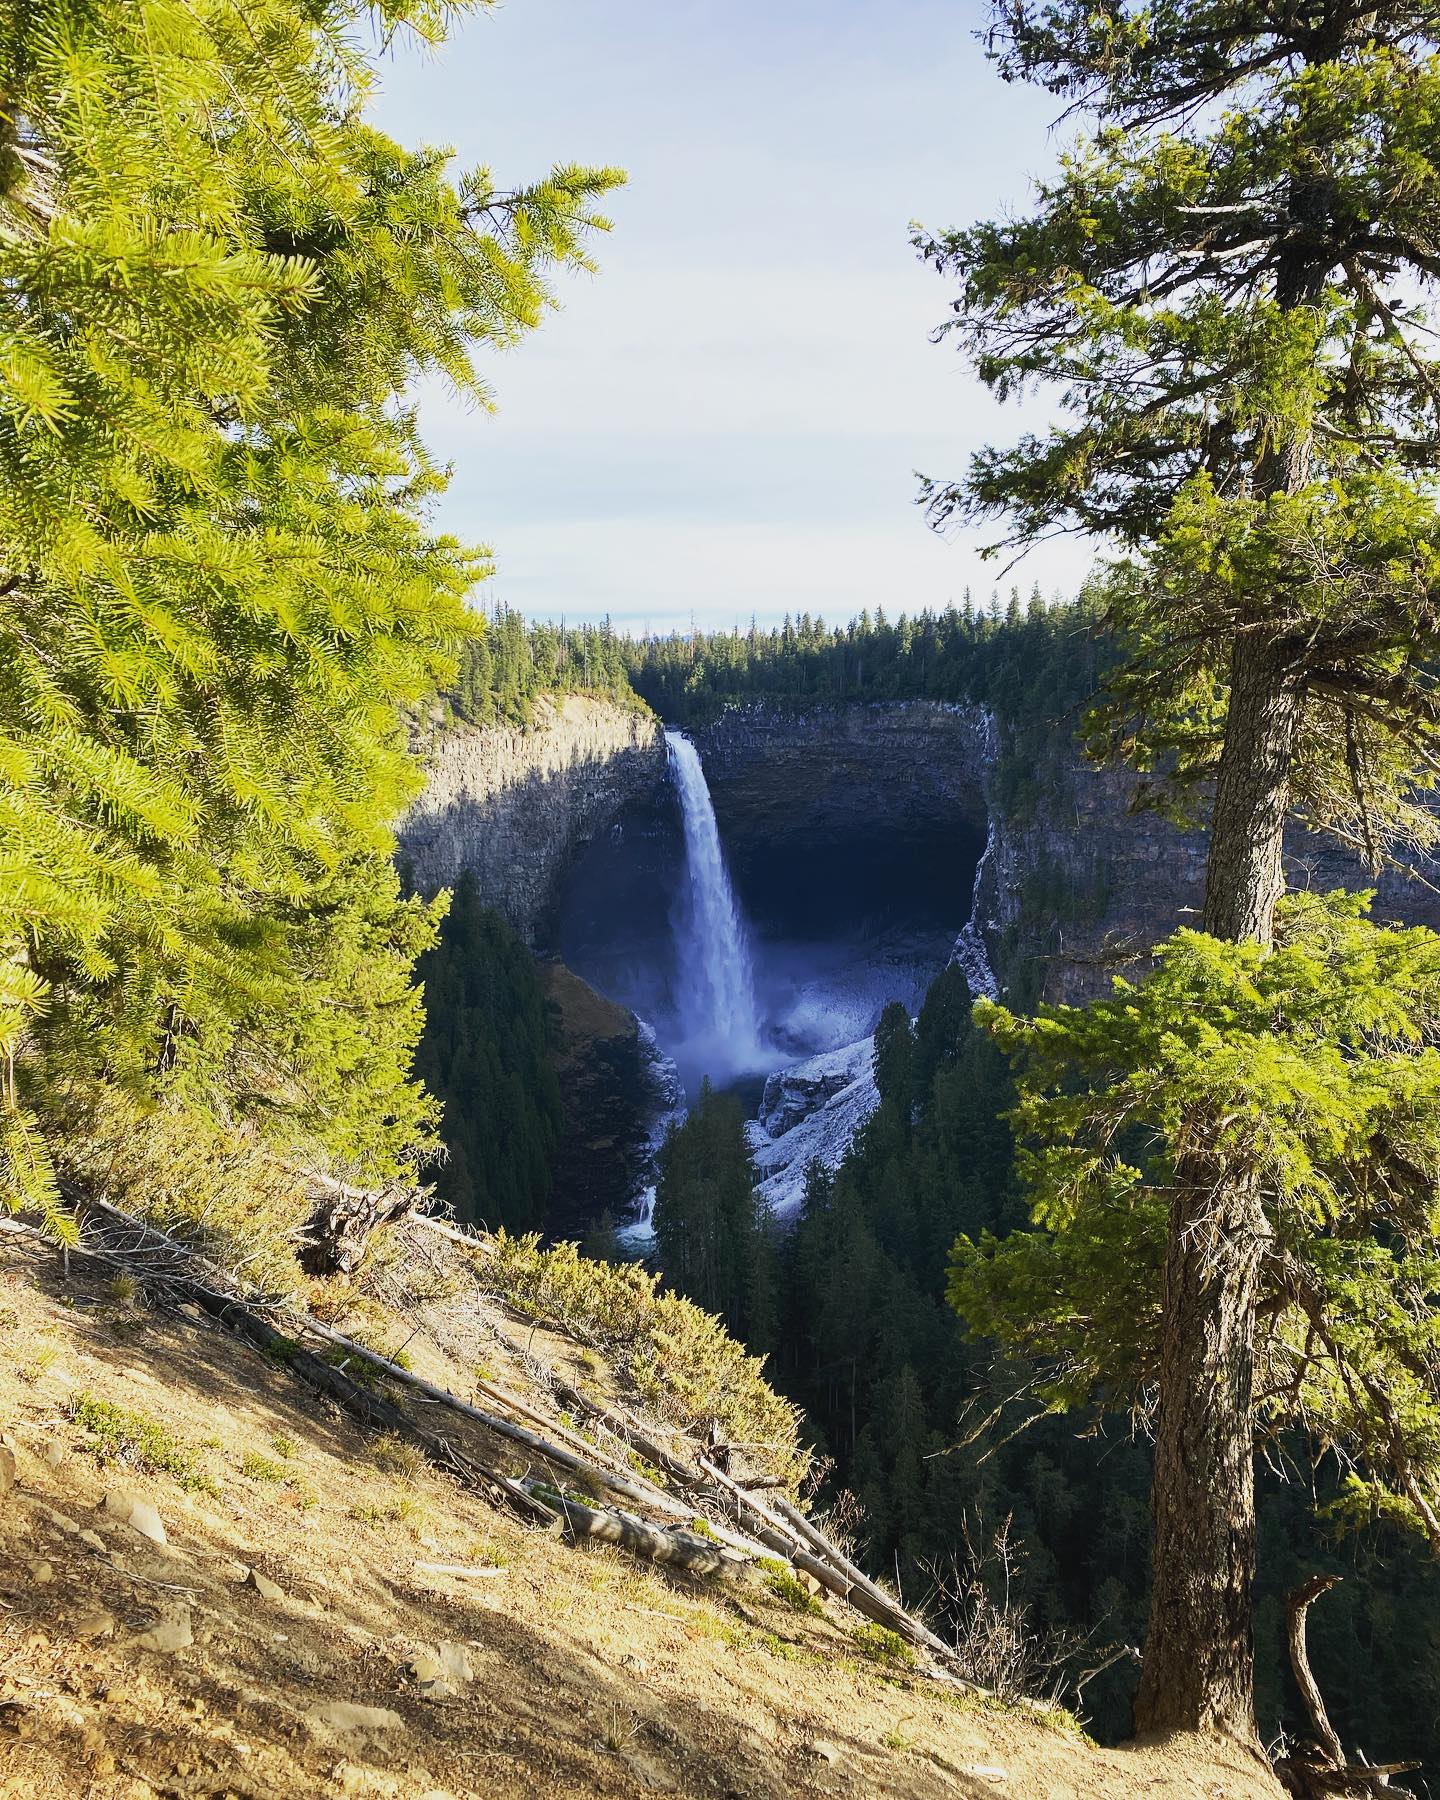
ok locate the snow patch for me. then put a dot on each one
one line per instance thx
(970, 952)
(810, 1112)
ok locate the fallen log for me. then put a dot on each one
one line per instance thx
(836, 1573)
(643, 1493)
(823, 1546)
(456, 1236)
(767, 1532)
(620, 1425)
(366, 1407)
(609, 1525)
(813, 1555)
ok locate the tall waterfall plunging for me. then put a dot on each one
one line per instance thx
(716, 986)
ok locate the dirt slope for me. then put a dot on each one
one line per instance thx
(349, 1663)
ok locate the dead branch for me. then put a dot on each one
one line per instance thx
(779, 1530)
(1298, 1603)
(1315, 1772)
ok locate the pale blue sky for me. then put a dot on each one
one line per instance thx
(726, 419)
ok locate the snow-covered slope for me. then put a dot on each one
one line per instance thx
(814, 1108)
(810, 1111)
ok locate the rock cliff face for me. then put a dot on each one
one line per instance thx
(805, 773)
(841, 806)
(842, 801)
(1080, 888)
(1075, 886)
(612, 1085)
(516, 807)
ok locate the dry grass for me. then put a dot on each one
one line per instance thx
(595, 1676)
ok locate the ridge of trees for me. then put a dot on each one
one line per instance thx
(503, 671)
(1039, 658)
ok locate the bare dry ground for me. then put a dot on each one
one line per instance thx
(132, 1669)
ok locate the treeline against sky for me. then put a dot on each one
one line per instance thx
(1016, 657)
(1007, 656)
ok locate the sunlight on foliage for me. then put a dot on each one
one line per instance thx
(681, 1360)
(1311, 1072)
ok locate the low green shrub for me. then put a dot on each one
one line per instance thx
(120, 1435)
(258, 1467)
(788, 1587)
(682, 1362)
(881, 1645)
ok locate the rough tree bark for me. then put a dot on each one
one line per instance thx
(1244, 873)
(1198, 1669)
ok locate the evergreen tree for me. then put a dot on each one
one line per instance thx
(713, 1236)
(1219, 279)
(1311, 1072)
(217, 588)
(486, 1055)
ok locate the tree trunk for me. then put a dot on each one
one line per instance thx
(1198, 1670)
(1244, 876)
(338, 1232)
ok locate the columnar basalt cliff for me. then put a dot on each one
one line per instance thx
(805, 777)
(846, 802)
(1080, 886)
(516, 806)
(1077, 885)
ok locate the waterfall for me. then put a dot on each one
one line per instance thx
(716, 983)
(970, 951)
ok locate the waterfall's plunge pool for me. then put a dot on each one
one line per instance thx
(749, 949)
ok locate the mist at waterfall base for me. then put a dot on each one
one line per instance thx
(748, 956)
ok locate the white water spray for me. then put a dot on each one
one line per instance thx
(970, 951)
(716, 981)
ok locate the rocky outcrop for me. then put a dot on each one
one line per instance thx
(809, 1113)
(1076, 886)
(516, 806)
(611, 1087)
(1080, 888)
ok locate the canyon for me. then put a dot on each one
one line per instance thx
(867, 845)
(514, 804)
